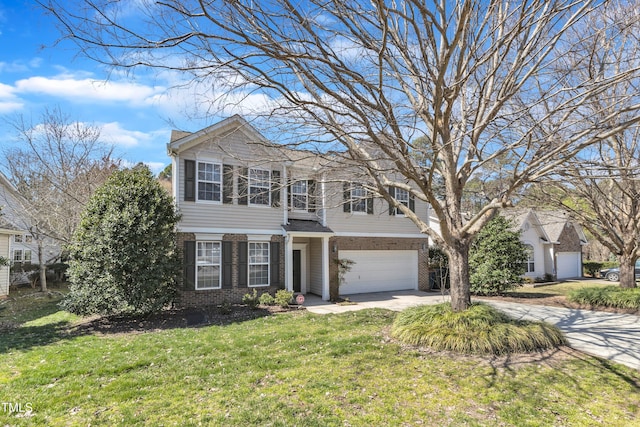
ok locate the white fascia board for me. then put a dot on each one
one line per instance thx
(393, 235)
(205, 230)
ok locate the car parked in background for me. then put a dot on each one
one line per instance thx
(613, 274)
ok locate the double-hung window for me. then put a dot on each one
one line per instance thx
(358, 198)
(208, 256)
(530, 265)
(258, 263)
(259, 187)
(209, 181)
(402, 196)
(300, 196)
(17, 255)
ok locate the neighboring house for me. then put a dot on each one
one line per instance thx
(6, 235)
(554, 242)
(258, 216)
(23, 249)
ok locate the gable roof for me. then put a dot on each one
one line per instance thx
(550, 222)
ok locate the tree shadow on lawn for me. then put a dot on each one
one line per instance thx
(16, 337)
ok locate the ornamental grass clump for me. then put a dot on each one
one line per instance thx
(481, 329)
(609, 296)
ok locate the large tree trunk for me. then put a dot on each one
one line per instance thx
(459, 276)
(627, 271)
(43, 267)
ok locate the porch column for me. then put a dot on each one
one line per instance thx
(325, 268)
(288, 262)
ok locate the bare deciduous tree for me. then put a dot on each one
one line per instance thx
(55, 167)
(366, 80)
(601, 186)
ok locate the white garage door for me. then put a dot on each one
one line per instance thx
(378, 271)
(568, 265)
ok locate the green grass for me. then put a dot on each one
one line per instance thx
(562, 289)
(609, 296)
(481, 329)
(292, 369)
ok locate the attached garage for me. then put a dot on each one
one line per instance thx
(379, 271)
(568, 265)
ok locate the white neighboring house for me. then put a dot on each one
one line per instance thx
(22, 248)
(6, 235)
(554, 241)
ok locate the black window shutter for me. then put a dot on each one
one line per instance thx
(227, 184)
(275, 189)
(243, 265)
(346, 206)
(392, 193)
(370, 205)
(189, 265)
(243, 186)
(412, 203)
(189, 181)
(311, 190)
(227, 264)
(275, 264)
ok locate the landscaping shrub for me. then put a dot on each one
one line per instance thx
(609, 296)
(283, 298)
(497, 258)
(123, 258)
(591, 268)
(481, 329)
(267, 299)
(251, 300)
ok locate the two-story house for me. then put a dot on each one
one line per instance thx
(256, 215)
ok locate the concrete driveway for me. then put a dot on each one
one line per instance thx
(614, 337)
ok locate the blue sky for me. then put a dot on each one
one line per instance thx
(135, 114)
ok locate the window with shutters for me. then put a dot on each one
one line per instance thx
(208, 259)
(402, 196)
(358, 199)
(259, 187)
(300, 196)
(259, 263)
(209, 181)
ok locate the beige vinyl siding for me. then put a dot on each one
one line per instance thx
(216, 215)
(378, 222)
(4, 270)
(315, 268)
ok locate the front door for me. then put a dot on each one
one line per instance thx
(297, 271)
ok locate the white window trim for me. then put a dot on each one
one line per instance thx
(360, 199)
(398, 211)
(219, 264)
(18, 238)
(268, 264)
(305, 194)
(214, 163)
(13, 255)
(530, 262)
(268, 188)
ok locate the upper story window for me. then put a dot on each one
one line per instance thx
(17, 238)
(28, 238)
(403, 197)
(209, 181)
(358, 198)
(300, 196)
(259, 187)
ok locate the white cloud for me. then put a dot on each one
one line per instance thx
(114, 133)
(89, 90)
(8, 101)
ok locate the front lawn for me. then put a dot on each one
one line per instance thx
(292, 369)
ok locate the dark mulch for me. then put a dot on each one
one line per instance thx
(177, 318)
